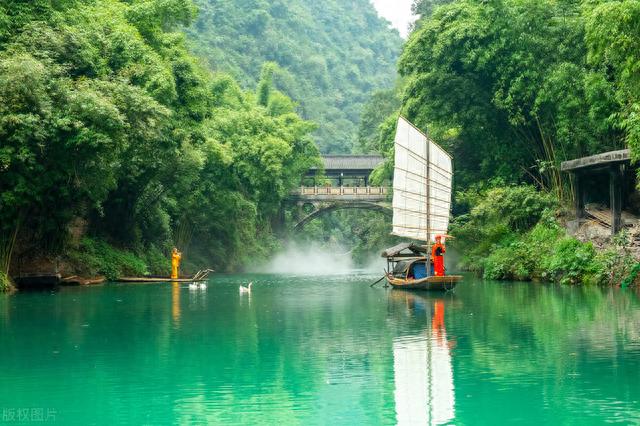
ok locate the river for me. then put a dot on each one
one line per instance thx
(318, 350)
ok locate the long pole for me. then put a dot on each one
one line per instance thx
(428, 254)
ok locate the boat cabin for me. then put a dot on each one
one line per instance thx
(408, 260)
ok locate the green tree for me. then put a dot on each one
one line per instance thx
(331, 55)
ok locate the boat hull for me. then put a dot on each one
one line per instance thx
(433, 283)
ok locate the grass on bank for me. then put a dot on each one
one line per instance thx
(94, 257)
(514, 233)
(7, 243)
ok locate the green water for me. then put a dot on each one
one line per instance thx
(318, 350)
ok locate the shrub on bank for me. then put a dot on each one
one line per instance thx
(97, 257)
(5, 283)
(511, 233)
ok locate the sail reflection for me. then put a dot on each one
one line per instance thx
(424, 391)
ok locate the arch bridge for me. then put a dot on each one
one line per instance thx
(346, 187)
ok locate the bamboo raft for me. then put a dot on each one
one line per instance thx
(200, 276)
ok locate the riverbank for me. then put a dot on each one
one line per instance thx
(93, 260)
(518, 233)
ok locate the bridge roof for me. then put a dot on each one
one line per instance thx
(351, 162)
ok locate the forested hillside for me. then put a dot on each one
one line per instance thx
(514, 87)
(112, 135)
(330, 55)
(511, 89)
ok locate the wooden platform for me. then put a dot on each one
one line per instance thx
(434, 283)
(603, 216)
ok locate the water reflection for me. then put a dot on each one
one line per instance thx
(324, 350)
(175, 302)
(423, 375)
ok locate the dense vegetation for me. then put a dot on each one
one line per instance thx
(328, 55)
(512, 88)
(111, 131)
(116, 143)
(512, 233)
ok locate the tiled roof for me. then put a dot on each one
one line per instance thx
(351, 162)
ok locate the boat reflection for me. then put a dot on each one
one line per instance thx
(423, 374)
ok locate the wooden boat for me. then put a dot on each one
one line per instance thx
(434, 283)
(422, 185)
(402, 261)
(75, 280)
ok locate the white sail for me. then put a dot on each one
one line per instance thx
(419, 211)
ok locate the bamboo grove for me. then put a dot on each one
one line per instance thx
(112, 131)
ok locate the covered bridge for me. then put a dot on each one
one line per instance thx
(346, 170)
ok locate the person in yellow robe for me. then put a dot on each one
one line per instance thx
(175, 262)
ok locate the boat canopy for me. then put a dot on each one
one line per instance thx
(410, 249)
(421, 185)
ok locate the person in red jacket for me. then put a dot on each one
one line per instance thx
(437, 254)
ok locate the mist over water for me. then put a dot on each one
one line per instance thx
(316, 259)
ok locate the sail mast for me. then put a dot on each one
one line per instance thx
(428, 200)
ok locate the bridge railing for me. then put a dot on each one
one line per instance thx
(341, 190)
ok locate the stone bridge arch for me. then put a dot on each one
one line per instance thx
(321, 208)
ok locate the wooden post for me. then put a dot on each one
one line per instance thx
(578, 195)
(615, 195)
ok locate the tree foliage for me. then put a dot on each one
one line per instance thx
(106, 116)
(331, 55)
(513, 87)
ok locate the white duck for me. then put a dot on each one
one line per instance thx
(193, 286)
(246, 290)
(202, 286)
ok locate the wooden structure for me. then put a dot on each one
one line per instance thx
(588, 173)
